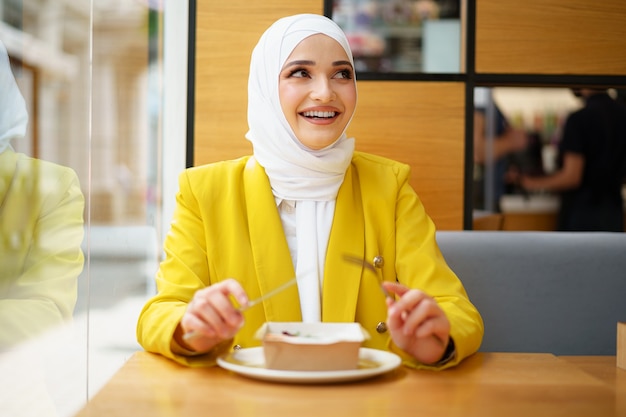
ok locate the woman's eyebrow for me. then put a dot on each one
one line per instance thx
(338, 63)
(299, 62)
(308, 62)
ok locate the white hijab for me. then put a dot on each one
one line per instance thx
(295, 171)
(13, 114)
(310, 177)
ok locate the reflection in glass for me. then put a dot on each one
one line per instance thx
(402, 36)
(41, 230)
(41, 225)
(89, 73)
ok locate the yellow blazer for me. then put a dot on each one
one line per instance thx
(41, 230)
(226, 225)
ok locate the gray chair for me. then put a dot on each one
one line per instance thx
(555, 292)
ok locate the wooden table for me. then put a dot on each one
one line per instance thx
(604, 368)
(486, 384)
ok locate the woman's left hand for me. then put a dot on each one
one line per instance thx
(417, 324)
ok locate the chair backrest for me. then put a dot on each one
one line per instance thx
(556, 292)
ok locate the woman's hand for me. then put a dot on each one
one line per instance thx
(417, 324)
(211, 317)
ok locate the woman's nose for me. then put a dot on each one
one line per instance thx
(323, 90)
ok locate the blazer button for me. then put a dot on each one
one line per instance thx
(381, 327)
(379, 261)
(237, 347)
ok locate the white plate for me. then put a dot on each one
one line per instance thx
(251, 363)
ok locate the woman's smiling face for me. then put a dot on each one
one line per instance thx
(317, 91)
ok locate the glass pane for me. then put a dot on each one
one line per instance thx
(80, 116)
(402, 36)
(43, 190)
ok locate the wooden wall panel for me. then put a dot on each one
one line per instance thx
(421, 124)
(579, 37)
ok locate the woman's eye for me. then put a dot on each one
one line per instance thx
(299, 73)
(346, 73)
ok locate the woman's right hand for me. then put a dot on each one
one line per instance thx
(211, 317)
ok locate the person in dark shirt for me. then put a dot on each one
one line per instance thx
(592, 161)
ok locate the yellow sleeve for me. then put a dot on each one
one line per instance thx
(420, 264)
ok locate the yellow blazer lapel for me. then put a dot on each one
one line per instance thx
(270, 251)
(347, 236)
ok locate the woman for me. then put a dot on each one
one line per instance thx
(302, 202)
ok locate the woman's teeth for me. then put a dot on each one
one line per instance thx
(319, 114)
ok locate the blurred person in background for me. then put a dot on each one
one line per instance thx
(41, 229)
(592, 166)
(496, 153)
